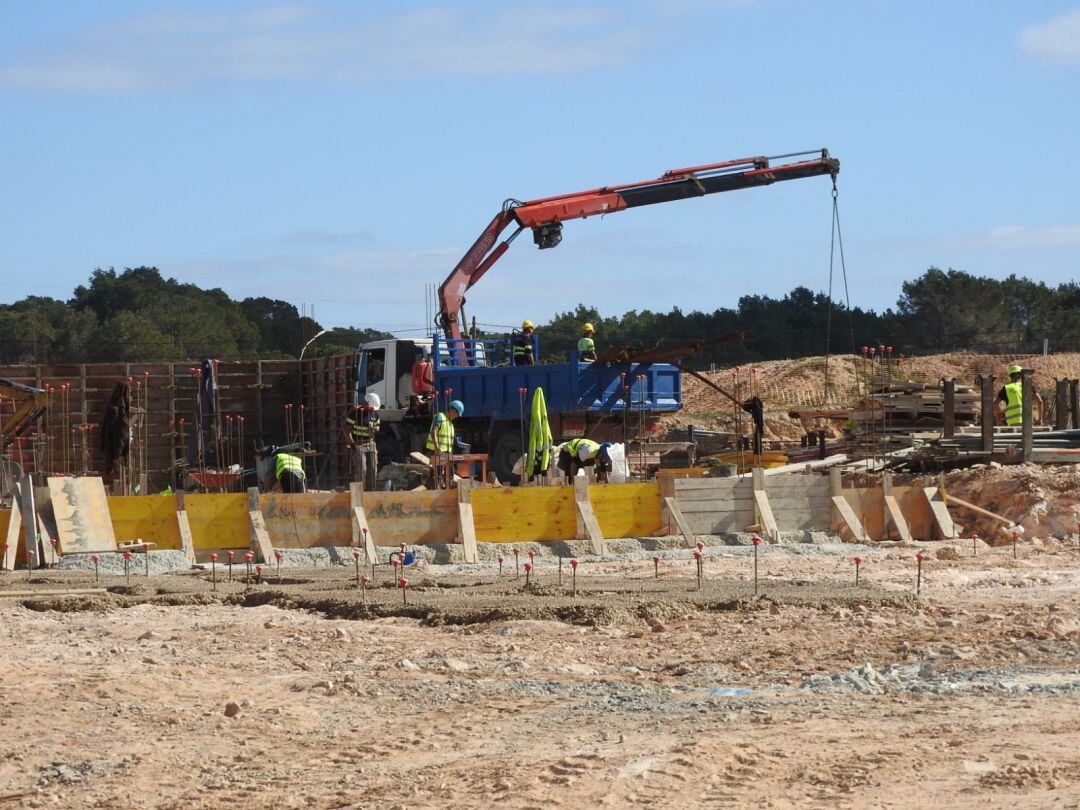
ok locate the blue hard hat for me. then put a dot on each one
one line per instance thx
(458, 406)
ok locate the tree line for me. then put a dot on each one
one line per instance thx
(138, 315)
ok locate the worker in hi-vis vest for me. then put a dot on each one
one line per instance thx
(289, 472)
(522, 345)
(441, 436)
(1011, 400)
(587, 346)
(360, 428)
(579, 453)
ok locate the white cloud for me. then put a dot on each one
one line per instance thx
(175, 50)
(1056, 40)
(1018, 236)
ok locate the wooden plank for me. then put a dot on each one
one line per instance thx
(412, 517)
(11, 536)
(465, 522)
(976, 509)
(81, 511)
(851, 520)
(940, 511)
(627, 510)
(665, 481)
(895, 516)
(187, 545)
(29, 520)
(764, 515)
(259, 536)
(680, 520)
(592, 527)
(49, 553)
(371, 553)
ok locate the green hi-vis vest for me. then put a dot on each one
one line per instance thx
(283, 462)
(574, 447)
(1014, 403)
(586, 344)
(443, 430)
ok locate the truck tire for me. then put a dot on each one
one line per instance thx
(505, 452)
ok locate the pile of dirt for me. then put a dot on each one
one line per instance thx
(1044, 499)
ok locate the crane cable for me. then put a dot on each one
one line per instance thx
(836, 240)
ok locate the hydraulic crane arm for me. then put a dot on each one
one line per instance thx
(29, 404)
(545, 216)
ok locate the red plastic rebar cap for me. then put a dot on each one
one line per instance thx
(574, 564)
(756, 540)
(858, 560)
(364, 580)
(213, 558)
(500, 560)
(920, 557)
(697, 555)
(127, 555)
(356, 555)
(403, 582)
(528, 567)
(655, 560)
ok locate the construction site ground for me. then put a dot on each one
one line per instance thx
(639, 691)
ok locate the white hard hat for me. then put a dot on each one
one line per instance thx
(373, 400)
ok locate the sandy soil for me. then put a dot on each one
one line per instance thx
(816, 694)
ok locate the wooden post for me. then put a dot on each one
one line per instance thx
(893, 513)
(672, 507)
(948, 388)
(259, 538)
(471, 553)
(187, 543)
(762, 508)
(666, 483)
(843, 508)
(1074, 402)
(1061, 403)
(986, 390)
(359, 523)
(10, 551)
(940, 513)
(587, 517)
(1026, 414)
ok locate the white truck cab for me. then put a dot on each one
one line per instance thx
(387, 368)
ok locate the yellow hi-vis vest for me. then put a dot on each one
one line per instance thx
(443, 431)
(575, 446)
(1014, 403)
(283, 462)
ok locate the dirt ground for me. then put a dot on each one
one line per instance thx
(638, 691)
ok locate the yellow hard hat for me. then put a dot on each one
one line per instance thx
(527, 325)
(1015, 369)
(588, 328)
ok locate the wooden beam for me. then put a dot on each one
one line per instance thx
(952, 499)
(259, 537)
(587, 516)
(666, 483)
(48, 551)
(762, 508)
(187, 543)
(893, 514)
(11, 542)
(848, 516)
(673, 509)
(940, 512)
(465, 522)
(29, 519)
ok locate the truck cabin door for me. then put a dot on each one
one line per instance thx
(373, 376)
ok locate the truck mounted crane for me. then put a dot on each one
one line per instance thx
(622, 394)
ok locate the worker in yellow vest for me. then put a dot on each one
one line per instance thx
(441, 437)
(361, 426)
(577, 454)
(289, 472)
(1011, 399)
(587, 346)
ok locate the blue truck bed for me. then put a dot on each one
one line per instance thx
(493, 391)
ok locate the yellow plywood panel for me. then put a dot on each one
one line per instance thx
(627, 510)
(218, 521)
(411, 517)
(151, 518)
(306, 520)
(516, 514)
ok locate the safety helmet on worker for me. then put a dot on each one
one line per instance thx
(1015, 369)
(372, 401)
(527, 325)
(458, 406)
(588, 327)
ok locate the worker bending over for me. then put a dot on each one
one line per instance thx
(522, 345)
(1010, 400)
(289, 473)
(587, 346)
(577, 454)
(361, 426)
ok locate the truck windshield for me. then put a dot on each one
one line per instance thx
(372, 368)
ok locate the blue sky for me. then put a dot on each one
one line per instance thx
(343, 155)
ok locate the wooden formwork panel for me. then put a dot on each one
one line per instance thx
(518, 514)
(218, 521)
(307, 520)
(627, 510)
(411, 517)
(152, 519)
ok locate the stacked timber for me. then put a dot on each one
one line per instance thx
(885, 419)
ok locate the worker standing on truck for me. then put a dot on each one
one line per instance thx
(587, 346)
(1011, 397)
(579, 453)
(361, 425)
(289, 472)
(523, 345)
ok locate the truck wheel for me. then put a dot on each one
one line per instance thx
(505, 453)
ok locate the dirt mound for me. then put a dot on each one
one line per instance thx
(1044, 499)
